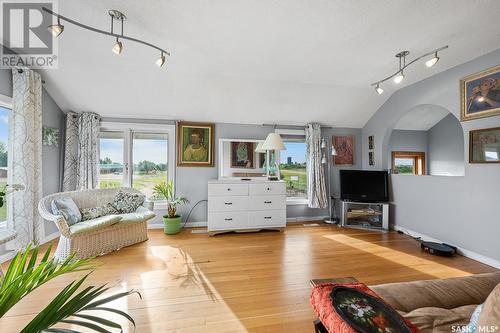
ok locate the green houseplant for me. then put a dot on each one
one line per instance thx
(171, 221)
(73, 305)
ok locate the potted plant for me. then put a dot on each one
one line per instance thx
(171, 221)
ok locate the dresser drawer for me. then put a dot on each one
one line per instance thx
(227, 203)
(227, 221)
(277, 188)
(271, 218)
(267, 202)
(227, 189)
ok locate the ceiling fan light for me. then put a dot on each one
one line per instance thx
(161, 60)
(432, 61)
(398, 78)
(118, 47)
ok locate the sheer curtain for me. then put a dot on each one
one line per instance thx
(316, 186)
(25, 157)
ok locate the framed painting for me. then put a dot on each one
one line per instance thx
(480, 94)
(242, 155)
(371, 158)
(484, 145)
(344, 145)
(371, 143)
(195, 144)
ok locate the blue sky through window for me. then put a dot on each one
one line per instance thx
(296, 150)
(4, 125)
(144, 150)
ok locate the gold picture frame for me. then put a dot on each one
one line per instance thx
(480, 94)
(484, 141)
(195, 144)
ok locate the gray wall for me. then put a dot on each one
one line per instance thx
(407, 140)
(446, 148)
(192, 182)
(52, 116)
(458, 210)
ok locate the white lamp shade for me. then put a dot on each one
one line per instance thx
(334, 151)
(273, 142)
(259, 149)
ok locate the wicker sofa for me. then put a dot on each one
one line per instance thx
(98, 236)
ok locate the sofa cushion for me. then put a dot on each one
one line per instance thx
(440, 320)
(127, 202)
(141, 214)
(94, 224)
(490, 314)
(95, 212)
(66, 207)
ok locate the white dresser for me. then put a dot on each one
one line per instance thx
(238, 205)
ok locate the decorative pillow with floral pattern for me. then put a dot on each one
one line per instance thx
(127, 202)
(95, 212)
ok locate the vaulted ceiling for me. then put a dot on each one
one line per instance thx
(260, 61)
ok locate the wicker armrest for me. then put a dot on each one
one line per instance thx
(59, 220)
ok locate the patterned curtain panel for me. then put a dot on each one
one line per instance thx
(25, 157)
(70, 152)
(316, 188)
(88, 151)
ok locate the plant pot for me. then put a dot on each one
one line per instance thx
(172, 226)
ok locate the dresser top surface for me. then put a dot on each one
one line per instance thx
(239, 181)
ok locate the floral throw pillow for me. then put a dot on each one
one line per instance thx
(127, 202)
(95, 212)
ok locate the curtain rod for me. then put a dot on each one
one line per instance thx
(292, 126)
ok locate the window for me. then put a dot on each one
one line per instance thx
(136, 155)
(408, 163)
(4, 152)
(293, 165)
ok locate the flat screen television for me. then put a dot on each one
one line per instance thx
(364, 185)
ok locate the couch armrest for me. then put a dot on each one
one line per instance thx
(443, 293)
(59, 220)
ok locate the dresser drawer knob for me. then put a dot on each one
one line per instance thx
(228, 203)
(269, 189)
(268, 202)
(229, 189)
(267, 217)
(228, 219)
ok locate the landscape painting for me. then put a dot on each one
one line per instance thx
(480, 94)
(344, 145)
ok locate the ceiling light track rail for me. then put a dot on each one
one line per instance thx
(103, 32)
(403, 65)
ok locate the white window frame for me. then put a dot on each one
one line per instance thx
(292, 201)
(6, 102)
(128, 129)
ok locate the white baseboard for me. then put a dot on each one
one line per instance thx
(464, 252)
(188, 225)
(7, 256)
(300, 219)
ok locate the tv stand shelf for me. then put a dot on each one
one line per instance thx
(365, 215)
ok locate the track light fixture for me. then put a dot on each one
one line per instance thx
(399, 76)
(432, 61)
(58, 28)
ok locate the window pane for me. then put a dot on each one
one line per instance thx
(293, 168)
(111, 160)
(404, 165)
(4, 139)
(150, 160)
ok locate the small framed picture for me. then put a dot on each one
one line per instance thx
(195, 144)
(371, 158)
(242, 155)
(484, 145)
(480, 94)
(371, 144)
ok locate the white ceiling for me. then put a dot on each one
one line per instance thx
(422, 118)
(260, 61)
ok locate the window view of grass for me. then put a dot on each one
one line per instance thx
(293, 168)
(4, 131)
(404, 166)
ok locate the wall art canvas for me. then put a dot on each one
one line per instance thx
(242, 155)
(50, 136)
(344, 145)
(371, 143)
(484, 145)
(371, 158)
(195, 144)
(480, 94)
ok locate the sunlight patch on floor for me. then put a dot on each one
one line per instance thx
(426, 266)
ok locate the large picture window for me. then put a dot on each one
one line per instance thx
(4, 156)
(138, 156)
(293, 166)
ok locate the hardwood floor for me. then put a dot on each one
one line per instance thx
(254, 282)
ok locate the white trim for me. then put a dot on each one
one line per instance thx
(188, 225)
(221, 157)
(296, 201)
(296, 132)
(464, 252)
(6, 101)
(7, 256)
(300, 219)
